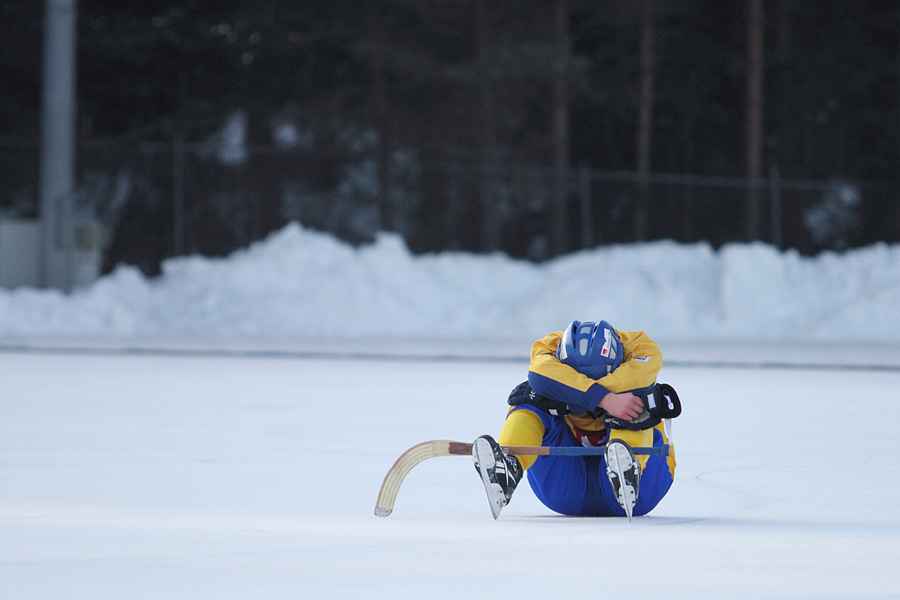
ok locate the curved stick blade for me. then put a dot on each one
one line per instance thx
(405, 463)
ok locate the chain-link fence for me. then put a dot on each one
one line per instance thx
(157, 200)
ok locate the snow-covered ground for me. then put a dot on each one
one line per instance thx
(222, 431)
(300, 284)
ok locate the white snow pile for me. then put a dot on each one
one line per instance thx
(305, 284)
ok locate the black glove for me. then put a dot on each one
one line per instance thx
(660, 402)
(523, 394)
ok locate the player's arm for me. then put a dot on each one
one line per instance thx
(550, 377)
(640, 365)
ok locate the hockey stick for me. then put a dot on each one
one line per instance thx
(420, 452)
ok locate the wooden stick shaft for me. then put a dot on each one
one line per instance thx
(579, 450)
(465, 449)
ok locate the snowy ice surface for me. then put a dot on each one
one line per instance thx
(159, 476)
(222, 431)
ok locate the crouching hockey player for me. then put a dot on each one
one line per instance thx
(589, 385)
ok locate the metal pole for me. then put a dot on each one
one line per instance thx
(775, 205)
(57, 171)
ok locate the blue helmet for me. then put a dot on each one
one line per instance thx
(592, 349)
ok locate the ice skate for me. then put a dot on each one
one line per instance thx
(499, 473)
(624, 473)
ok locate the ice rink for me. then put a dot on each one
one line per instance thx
(196, 475)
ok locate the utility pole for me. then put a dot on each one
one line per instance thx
(754, 118)
(57, 172)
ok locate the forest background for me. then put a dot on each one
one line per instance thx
(529, 127)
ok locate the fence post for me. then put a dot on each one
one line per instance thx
(775, 205)
(587, 213)
(178, 156)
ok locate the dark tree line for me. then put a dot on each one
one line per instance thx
(419, 116)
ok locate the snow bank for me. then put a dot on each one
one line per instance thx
(307, 284)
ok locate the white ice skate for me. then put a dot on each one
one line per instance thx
(624, 473)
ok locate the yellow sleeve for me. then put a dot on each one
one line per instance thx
(639, 367)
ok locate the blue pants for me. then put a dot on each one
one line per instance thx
(579, 486)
